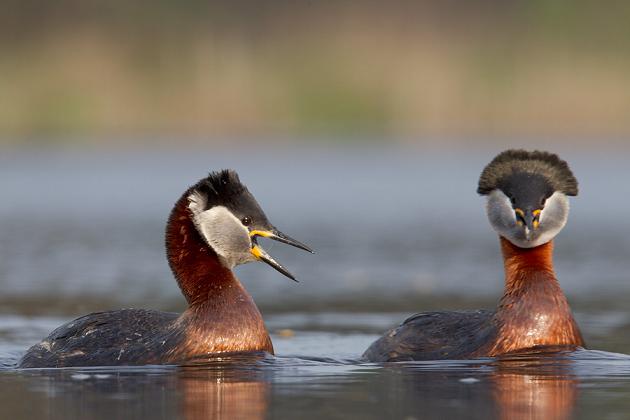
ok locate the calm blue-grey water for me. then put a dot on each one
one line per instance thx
(396, 231)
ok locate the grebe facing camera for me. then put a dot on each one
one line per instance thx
(527, 206)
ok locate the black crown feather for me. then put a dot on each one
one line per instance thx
(224, 183)
(555, 170)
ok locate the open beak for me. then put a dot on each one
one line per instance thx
(261, 255)
(530, 219)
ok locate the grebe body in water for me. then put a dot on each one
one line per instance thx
(213, 227)
(527, 205)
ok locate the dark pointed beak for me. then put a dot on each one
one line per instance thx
(528, 218)
(276, 235)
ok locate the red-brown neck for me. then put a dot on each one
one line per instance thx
(195, 265)
(533, 310)
(521, 263)
(222, 316)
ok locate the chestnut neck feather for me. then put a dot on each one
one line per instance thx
(222, 316)
(533, 310)
(195, 265)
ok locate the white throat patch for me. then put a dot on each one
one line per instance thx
(222, 231)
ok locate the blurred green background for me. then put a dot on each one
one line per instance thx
(100, 71)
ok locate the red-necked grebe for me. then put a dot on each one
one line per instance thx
(213, 227)
(527, 206)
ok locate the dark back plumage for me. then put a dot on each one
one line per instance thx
(517, 163)
(435, 336)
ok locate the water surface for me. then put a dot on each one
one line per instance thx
(395, 232)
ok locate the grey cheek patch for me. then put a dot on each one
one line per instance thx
(225, 234)
(552, 219)
(500, 213)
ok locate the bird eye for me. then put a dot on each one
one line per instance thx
(246, 221)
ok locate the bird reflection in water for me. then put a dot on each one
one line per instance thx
(539, 384)
(535, 385)
(224, 388)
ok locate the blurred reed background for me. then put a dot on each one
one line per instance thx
(100, 71)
